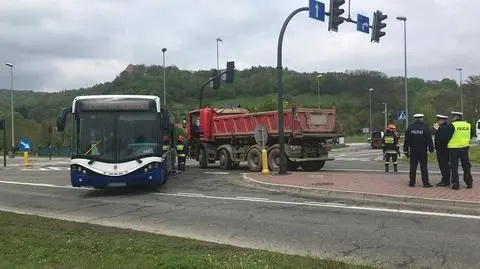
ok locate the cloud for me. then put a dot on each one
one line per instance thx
(57, 45)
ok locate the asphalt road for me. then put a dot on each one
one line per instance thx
(211, 205)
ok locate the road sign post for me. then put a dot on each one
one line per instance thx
(25, 145)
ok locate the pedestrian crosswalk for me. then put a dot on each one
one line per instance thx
(366, 155)
(47, 168)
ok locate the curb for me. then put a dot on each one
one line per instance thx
(422, 202)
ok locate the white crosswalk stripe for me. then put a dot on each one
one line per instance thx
(48, 168)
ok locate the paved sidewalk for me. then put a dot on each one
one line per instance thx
(368, 186)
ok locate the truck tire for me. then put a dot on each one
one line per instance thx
(254, 160)
(274, 159)
(312, 166)
(202, 158)
(225, 160)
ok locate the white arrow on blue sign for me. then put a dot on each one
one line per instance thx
(363, 24)
(316, 10)
(25, 144)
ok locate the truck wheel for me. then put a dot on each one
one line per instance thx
(202, 158)
(225, 160)
(312, 166)
(254, 160)
(274, 159)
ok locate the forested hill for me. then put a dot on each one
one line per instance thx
(254, 89)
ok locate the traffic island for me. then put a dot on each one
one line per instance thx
(378, 188)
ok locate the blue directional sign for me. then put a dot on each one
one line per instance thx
(363, 24)
(25, 144)
(401, 116)
(316, 10)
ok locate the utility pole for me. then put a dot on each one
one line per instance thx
(318, 90)
(370, 98)
(386, 114)
(461, 89)
(164, 80)
(404, 19)
(11, 104)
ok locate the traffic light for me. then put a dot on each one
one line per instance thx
(50, 129)
(230, 75)
(216, 81)
(378, 25)
(335, 11)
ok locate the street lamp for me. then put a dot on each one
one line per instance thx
(11, 102)
(404, 19)
(318, 90)
(164, 80)
(218, 65)
(370, 97)
(385, 112)
(461, 90)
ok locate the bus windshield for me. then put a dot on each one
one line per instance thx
(116, 136)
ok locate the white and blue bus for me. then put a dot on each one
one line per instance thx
(120, 140)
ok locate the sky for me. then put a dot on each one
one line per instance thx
(67, 44)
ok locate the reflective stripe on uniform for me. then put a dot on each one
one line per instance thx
(181, 155)
(180, 147)
(165, 147)
(461, 135)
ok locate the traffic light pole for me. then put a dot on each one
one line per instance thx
(206, 83)
(281, 133)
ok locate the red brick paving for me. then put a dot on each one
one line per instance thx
(374, 183)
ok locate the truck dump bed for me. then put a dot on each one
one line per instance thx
(299, 122)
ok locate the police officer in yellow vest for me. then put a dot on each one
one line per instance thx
(459, 133)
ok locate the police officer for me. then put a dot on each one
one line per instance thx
(417, 139)
(390, 147)
(459, 133)
(443, 155)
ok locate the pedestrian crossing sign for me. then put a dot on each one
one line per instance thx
(401, 115)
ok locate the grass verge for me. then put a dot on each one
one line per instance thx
(37, 242)
(474, 154)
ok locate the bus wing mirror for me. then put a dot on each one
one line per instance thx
(62, 118)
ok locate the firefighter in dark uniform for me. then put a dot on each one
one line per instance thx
(390, 147)
(443, 155)
(459, 133)
(417, 139)
(182, 150)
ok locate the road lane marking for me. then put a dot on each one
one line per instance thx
(380, 170)
(268, 201)
(247, 198)
(190, 194)
(217, 173)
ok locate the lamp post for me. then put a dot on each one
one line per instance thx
(461, 89)
(164, 80)
(385, 111)
(318, 90)
(404, 19)
(11, 103)
(370, 98)
(218, 64)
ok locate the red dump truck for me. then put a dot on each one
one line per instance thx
(233, 135)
